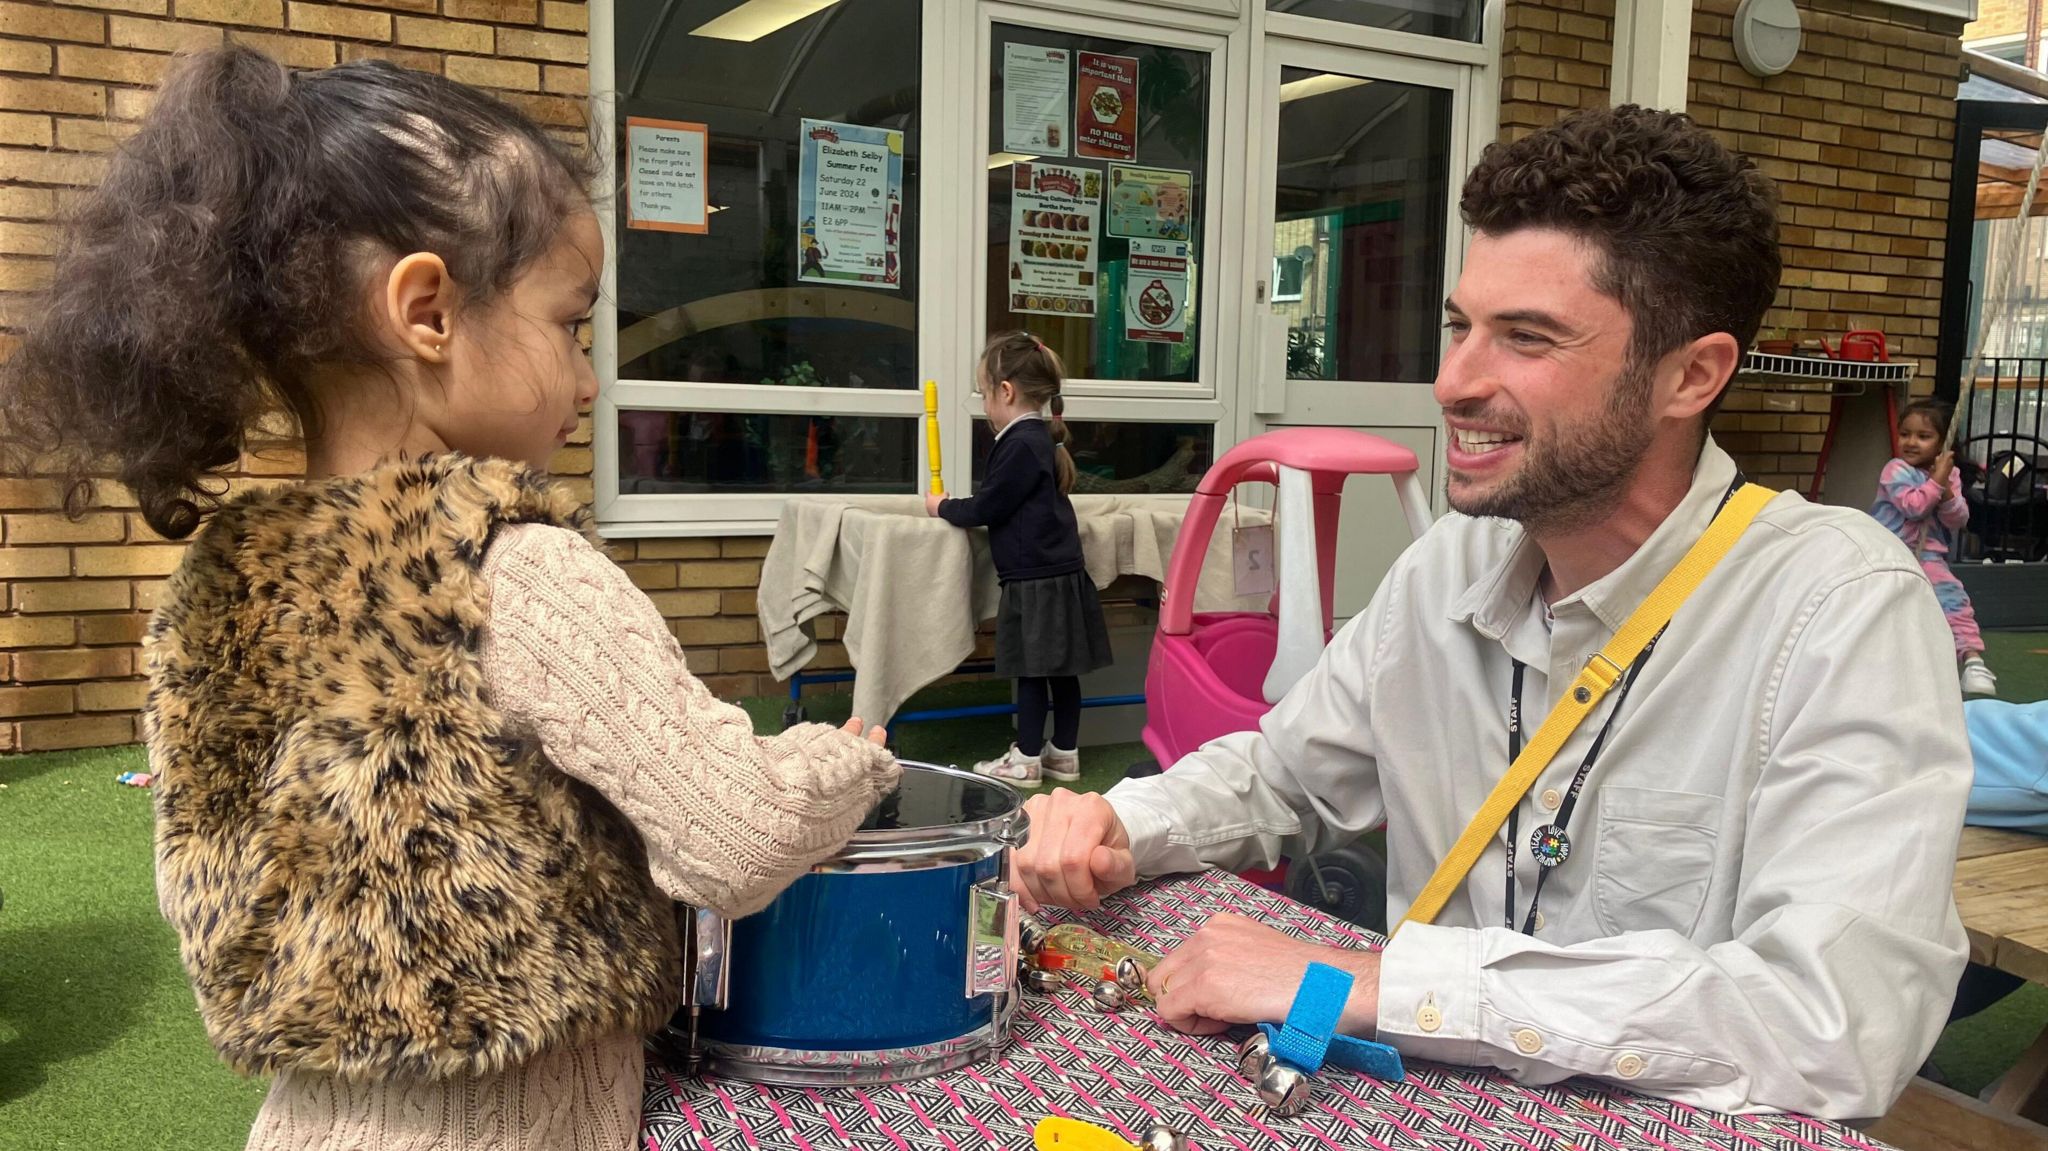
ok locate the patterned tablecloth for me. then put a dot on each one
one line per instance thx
(1127, 1070)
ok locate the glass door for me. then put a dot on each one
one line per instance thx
(1354, 244)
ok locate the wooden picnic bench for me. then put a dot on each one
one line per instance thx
(2002, 892)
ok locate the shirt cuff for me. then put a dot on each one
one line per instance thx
(1147, 817)
(1429, 1003)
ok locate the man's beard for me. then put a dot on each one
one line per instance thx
(1573, 480)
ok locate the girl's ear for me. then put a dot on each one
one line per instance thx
(1006, 392)
(418, 302)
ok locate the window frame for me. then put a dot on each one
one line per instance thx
(952, 190)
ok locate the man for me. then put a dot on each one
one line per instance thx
(1755, 911)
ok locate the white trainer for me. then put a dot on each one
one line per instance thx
(1977, 679)
(1012, 767)
(1061, 764)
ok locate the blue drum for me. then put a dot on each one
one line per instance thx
(895, 959)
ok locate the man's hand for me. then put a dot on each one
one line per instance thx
(1077, 854)
(932, 500)
(876, 734)
(1237, 971)
(1943, 465)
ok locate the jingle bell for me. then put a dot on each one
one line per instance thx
(1030, 933)
(1160, 1137)
(1284, 1090)
(1253, 1055)
(1109, 997)
(1044, 982)
(1130, 975)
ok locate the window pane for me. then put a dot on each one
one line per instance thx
(668, 452)
(1451, 19)
(1115, 457)
(1097, 195)
(763, 293)
(1361, 204)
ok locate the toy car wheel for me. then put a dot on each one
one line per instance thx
(792, 715)
(1142, 768)
(1349, 883)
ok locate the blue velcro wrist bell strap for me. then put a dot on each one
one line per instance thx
(1309, 1037)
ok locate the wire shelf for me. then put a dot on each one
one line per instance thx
(1766, 372)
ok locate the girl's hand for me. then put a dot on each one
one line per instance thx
(877, 735)
(932, 500)
(1943, 465)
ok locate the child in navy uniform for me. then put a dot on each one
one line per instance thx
(1049, 630)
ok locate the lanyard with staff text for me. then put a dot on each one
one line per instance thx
(1550, 846)
(1599, 676)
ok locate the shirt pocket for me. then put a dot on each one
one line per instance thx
(1655, 861)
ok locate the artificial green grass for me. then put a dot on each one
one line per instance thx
(100, 1046)
(2020, 660)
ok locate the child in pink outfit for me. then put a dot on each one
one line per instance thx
(1920, 498)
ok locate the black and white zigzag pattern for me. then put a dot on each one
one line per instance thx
(1125, 1071)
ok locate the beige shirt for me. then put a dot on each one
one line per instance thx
(1756, 913)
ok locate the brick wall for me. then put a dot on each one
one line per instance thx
(1555, 56)
(74, 79)
(1858, 134)
(1997, 18)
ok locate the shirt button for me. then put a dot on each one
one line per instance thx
(1629, 1065)
(1551, 799)
(1539, 921)
(1429, 1018)
(1528, 1042)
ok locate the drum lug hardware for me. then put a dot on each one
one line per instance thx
(992, 954)
(708, 946)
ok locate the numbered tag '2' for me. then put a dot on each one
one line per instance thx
(1251, 560)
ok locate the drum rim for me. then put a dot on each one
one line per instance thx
(1007, 829)
(805, 1067)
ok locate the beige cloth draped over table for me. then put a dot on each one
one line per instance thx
(915, 588)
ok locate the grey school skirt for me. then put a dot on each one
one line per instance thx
(1051, 627)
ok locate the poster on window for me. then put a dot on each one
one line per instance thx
(1053, 209)
(1106, 114)
(665, 182)
(1150, 203)
(1035, 100)
(1156, 292)
(849, 204)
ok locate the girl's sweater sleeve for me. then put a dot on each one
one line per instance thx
(996, 498)
(578, 658)
(1954, 511)
(1909, 489)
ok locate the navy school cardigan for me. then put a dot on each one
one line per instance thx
(1031, 528)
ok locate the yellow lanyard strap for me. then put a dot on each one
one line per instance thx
(1601, 673)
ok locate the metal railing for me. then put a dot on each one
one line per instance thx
(2001, 450)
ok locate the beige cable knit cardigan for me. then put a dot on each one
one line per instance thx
(577, 658)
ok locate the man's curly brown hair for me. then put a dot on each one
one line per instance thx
(1687, 231)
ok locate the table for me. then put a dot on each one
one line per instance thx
(915, 589)
(1126, 1070)
(2001, 888)
(2002, 893)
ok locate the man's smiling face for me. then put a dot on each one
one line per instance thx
(1547, 417)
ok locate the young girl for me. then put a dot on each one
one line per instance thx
(1049, 630)
(431, 771)
(1920, 498)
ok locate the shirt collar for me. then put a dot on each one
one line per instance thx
(1020, 419)
(1499, 597)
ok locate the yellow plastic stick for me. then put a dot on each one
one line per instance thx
(1058, 1133)
(931, 434)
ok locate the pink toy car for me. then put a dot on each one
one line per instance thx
(1213, 673)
